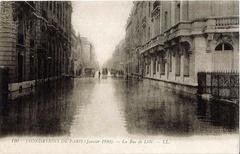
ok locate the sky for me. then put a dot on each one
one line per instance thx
(102, 22)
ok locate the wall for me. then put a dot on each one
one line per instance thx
(8, 39)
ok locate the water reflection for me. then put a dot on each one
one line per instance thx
(114, 107)
(46, 112)
(150, 111)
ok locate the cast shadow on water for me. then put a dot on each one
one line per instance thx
(151, 110)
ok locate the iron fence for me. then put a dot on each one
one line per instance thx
(219, 84)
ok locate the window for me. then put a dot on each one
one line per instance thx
(57, 9)
(158, 63)
(156, 26)
(154, 66)
(31, 65)
(147, 68)
(165, 20)
(187, 10)
(31, 43)
(144, 35)
(147, 65)
(50, 5)
(223, 47)
(54, 7)
(20, 66)
(170, 61)
(177, 12)
(21, 32)
(44, 14)
(186, 63)
(149, 33)
(178, 64)
(162, 65)
(149, 9)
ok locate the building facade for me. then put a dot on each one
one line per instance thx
(35, 40)
(84, 56)
(172, 41)
(118, 62)
(76, 50)
(88, 55)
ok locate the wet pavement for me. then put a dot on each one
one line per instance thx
(89, 107)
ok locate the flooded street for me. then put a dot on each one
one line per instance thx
(88, 107)
(118, 77)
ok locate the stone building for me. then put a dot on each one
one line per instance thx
(84, 56)
(172, 41)
(35, 41)
(118, 62)
(77, 53)
(88, 55)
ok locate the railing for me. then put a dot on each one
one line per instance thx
(211, 24)
(225, 22)
(181, 28)
(219, 84)
(158, 40)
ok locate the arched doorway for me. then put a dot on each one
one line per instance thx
(223, 57)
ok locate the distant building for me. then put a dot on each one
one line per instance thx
(171, 41)
(88, 55)
(118, 61)
(75, 53)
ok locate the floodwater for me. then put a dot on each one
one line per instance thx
(89, 107)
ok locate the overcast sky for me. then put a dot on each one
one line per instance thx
(103, 22)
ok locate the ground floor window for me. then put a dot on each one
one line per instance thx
(32, 65)
(223, 58)
(162, 64)
(170, 61)
(20, 66)
(178, 64)
(186, 64)
(154, 65)
(147, 69)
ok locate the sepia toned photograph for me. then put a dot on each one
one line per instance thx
(119, 77)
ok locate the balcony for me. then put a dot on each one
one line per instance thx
(154, 42)
(203, 25)
(180, 29)
(222, 24)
